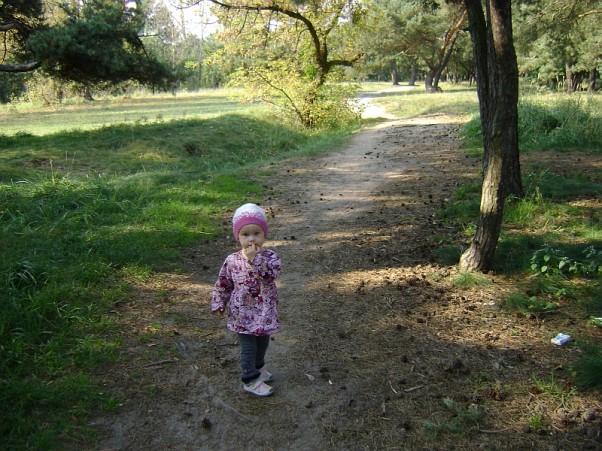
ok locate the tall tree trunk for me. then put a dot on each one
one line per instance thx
(445, 60)
(591, 86)
(573, 79)
(394, 74)
(413, 75)
(428, 80)
(497, 87)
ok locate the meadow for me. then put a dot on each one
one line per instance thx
(96, 196)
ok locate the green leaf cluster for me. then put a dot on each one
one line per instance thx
(550, 260)
(556, 39)
(96, 42)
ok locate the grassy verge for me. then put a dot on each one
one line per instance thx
(551, 241)
(87, 207)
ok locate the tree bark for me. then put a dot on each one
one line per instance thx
(497, 87)
(591, 87)
(413, 75)
(573, 79)
(428, 80)
(394, 74)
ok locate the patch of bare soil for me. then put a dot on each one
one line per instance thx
(376, 337)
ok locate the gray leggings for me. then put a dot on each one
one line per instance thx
(252, 354)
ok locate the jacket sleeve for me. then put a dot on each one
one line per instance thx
(222, 289)
(269, 266)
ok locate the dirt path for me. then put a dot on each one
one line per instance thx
(375, 335)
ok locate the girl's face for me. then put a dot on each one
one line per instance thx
(251, 234)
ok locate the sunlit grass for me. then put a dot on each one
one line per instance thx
(556, 122)
(456, 99)
(92, 203)
(141, 109)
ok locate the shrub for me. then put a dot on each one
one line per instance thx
(549, 260)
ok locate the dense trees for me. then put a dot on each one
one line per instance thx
(185, 53)
(414, 33)
(559, 42)
(88, 41)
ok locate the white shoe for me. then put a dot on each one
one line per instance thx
(258, 388)
(265, 375)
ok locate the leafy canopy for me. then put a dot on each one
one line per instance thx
(88, 42)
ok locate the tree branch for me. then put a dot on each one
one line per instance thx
(292, 14)
(26, 67)
(345, 63)
(593, 11)
(8, 26)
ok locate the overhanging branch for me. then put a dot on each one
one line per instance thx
(26, 67)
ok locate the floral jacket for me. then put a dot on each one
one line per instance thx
(250, 290)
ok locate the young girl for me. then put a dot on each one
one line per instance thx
(246, 284)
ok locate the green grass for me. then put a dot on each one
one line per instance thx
(460, 420)
(557, 389)
(529, 304)
(555, 122)
(91, 202)
(551, 240)
(456, 99)
(466, 280)
(41, 120)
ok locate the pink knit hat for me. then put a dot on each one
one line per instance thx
(249, 214)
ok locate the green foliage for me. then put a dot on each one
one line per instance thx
(528, 304)
(12, 86)
(588, 368)
(402, 34)
(548, 260)
(471, 280)
(97, 43)
(557, 41)
(187, 55)
(462, 419)
(331, 105)
(537, 423)
(296, 64)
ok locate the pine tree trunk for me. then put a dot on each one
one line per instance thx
(394, 74)
(428, 80)
(413, 75)
(497, 87)
(591, 86)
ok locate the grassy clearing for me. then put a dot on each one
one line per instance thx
(456, 99)
(42, 120)
(556, 122)
(91, 202)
